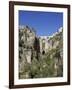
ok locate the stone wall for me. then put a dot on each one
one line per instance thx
(49, 41)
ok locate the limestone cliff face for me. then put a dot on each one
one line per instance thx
(28, 46)
(32, 47)
(27, 36)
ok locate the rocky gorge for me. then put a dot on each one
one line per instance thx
(40, 56)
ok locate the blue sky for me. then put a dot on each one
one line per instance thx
(44, 23)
